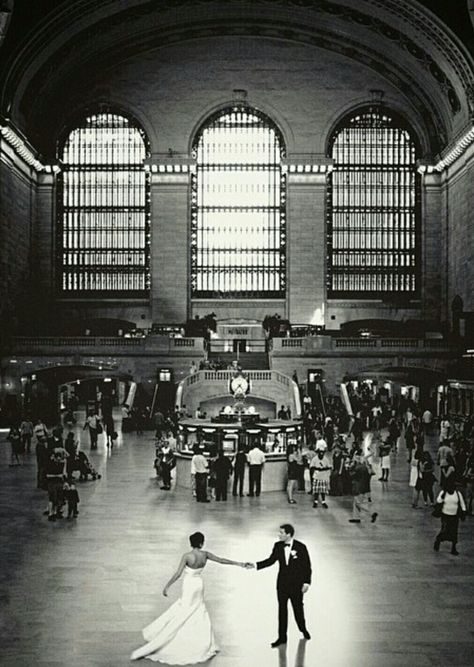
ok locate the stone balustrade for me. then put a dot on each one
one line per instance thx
(109, 344)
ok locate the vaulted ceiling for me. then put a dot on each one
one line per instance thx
(55, 50)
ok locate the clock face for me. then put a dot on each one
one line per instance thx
(239, 384)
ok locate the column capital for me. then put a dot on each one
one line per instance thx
(307, 164)
(170, 163)
(307, 169)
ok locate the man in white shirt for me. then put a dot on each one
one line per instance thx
(427, 419)
(256, 459)
(200, 469)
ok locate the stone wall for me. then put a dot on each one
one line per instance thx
(305, 90)
(457, 232)
(17, 213)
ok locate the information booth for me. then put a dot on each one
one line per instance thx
(228, 432)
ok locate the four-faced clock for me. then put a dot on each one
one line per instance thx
(239, 385)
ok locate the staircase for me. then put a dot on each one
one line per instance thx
(249, 361)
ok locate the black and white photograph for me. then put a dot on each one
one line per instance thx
(236, 333)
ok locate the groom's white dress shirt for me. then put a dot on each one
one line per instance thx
(288, 551)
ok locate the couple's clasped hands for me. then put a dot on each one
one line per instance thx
(248, 566)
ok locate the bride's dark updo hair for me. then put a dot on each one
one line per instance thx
(196, 540)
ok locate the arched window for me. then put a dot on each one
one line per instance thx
(373, 208)
(238, 207)
(103, 242)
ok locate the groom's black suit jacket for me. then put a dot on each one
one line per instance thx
(298, 570)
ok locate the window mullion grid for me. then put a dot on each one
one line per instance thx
(106, 209)
(241, 207)
(371, 188)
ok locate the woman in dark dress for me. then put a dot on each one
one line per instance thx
(293, 472)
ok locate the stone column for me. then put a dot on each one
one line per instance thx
(432, 257)
(170, 189)
(306, 244)
(44, 261)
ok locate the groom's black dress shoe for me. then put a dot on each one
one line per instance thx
(306, 634)
(278, 642)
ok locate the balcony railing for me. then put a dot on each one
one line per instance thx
(147, 345)
(314, 344)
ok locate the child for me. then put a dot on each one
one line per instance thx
(72, 497)
(157, 463)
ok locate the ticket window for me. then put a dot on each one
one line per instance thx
(275, 443)
(291, 438)
(230, 443)
(190, 439)
(253, 437)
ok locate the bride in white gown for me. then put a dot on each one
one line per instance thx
(183, 634)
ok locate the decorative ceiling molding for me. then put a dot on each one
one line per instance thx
(456, 150)
(436, 68)
(432, 29)
(21, 148)
(371, 58)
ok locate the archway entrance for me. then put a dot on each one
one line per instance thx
(61, 390)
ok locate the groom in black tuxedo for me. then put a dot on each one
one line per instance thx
(294, 579)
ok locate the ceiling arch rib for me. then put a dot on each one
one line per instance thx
(435, 124)
(428, 29)
(433, 75)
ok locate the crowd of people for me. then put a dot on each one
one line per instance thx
(325, 462)
(58, 459)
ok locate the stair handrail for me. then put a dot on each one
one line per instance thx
(252, 375)
(346, 401)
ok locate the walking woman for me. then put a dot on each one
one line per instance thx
(293, 472)
(447, 472)
(453, 508)
(427, 477)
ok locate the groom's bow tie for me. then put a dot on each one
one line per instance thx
(287, 545)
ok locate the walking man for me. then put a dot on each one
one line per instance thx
(240, 463)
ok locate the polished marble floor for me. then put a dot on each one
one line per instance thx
(77, 593)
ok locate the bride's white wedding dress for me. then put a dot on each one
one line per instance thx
(183, 634)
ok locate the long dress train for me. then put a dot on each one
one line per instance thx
(183, 633)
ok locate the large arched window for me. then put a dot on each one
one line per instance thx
(238, 207)
(373, 208)
(103, 241)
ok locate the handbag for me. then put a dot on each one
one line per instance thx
(438, 508)
(99, 428)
